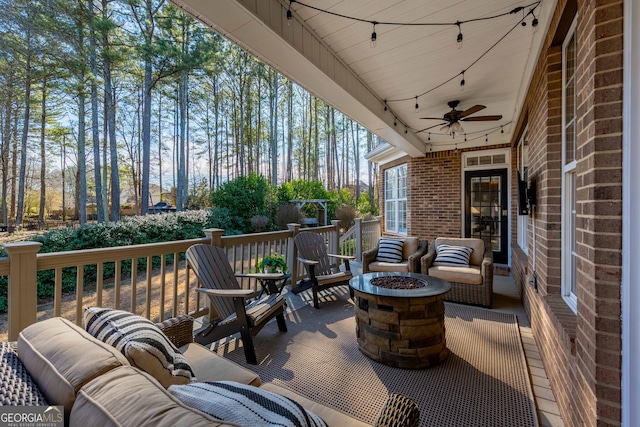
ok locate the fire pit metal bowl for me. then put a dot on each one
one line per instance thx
(401, 323)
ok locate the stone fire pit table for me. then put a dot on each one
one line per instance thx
(401, 327)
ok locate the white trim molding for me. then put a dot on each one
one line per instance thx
(630, 227)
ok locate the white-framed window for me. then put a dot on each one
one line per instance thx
(523, 167)
(395, 199)
(569, 101)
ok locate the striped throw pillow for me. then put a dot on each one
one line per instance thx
(244, 404)
(452, 256)
(142, 343)
(390, 250)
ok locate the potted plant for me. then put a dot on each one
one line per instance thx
(273, 263)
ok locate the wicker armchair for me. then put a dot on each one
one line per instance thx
(412, 251)
(472, 285)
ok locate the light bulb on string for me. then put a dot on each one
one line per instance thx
(462, 82)
(374, 36)
(395, 121)
(465, 137)
(486, 138)
(417, 107)
(405, 130)
(501, 129)
(456, 150)
(534, 22)
(460, 37)
(289, 15)
(385, 105)
(429, 139)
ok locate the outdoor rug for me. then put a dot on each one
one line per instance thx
(483, 382)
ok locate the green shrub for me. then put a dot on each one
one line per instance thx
(244, 197)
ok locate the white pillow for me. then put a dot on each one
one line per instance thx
(244, 404)
(390, 250)
(142, 343)
(452, 256)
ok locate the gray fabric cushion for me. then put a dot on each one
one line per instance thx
(453, 256)
(244, 404)
(17, 388)
(141, 341)
(390, 250)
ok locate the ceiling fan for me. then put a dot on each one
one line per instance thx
(453, 117)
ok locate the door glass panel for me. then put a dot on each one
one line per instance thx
(486, 210)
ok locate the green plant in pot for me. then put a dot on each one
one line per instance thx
(273, 263)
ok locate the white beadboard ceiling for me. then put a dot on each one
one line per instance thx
(331, 56)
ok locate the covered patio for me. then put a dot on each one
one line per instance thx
(466, 96)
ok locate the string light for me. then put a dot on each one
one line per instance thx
(385, 105)
(405, 130)
(429, 139)
(465, 137)
(486, 137)
(477, 60)
(417, 107)
(374, 36)
(459, 39)
(395, 121)
(501, 129)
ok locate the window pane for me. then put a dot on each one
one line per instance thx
(390, 210)
(572, 230)
(570, 143)
(402, 183)
(402, 216)
(472, 161)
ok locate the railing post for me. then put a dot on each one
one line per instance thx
(292, 253)
(358, 233)
(214, 235)
(334, 242)
(23, 286)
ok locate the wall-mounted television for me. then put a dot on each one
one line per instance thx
(523, 199)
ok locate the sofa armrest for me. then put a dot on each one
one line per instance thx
(368, 257)
(178, 329)
(487, 266)
(427, 260)
(415, 258)
(399, 411)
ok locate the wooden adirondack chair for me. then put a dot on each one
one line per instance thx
(312, 251)
(220, 284)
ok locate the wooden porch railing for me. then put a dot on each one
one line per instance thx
(165, 291)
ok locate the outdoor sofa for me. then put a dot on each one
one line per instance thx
(56, 362)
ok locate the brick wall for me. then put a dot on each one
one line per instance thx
(581, 352)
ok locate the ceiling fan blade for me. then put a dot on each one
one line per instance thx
(431, 118)
(481, 118)
(471, 110)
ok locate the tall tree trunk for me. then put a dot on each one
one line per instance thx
(110, 118)
(290, 131)
(81, 189)
(146, 138)
(95, 130)
(4, 154)
(370, 168)
(181, 203)
(14, 166)
(356, 157)
(334, 143)
(273, 134)
(160, 142)
(25, 131)
(216, 154)
(63, 167)
(43, 158)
